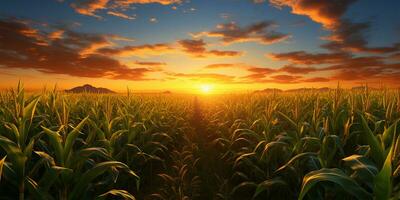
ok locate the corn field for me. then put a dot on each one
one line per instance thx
(339, 144)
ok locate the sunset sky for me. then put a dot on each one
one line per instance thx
(186, 45)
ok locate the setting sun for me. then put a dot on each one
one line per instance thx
(206, 88)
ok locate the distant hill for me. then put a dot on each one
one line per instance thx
(167, 92)
(89, 89)
(323, 89)
(268, 90)
(271, 90)
(362, 88)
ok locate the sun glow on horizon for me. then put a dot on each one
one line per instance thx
(206, 88)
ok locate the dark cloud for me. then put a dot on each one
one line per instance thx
(316, 79)
(350, 36)
(297, 70)
(346, 35)
(285, 78)
(261, 32)
(326, 12)
(150, 63)
(138, 50)
(70, 53)
(302, 57)
(197, 48)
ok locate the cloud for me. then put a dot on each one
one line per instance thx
(121, 15)
(261, 32)
(162, 2)
(316, 79)
(326, 12)
(150, 63)
(138, 50)
(285, 78)
(57, 34)
(258, 1)
(114, 7)
(265, 74)
(214, 77)
(20, 47)
(350, 36)
(302, 57)
(89, 7)
(395, 56)
(197, 48)
(359, 62)
(297, 70)
(369, 73)
(153, 20)
(219, 65)
(346, 35)
(257, 74)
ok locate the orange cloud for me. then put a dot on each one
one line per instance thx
(219, 65)
(139, 50)
(261, 32)
(162, 2)
(302, 57)
(152, 64)
(90, 7)
(346, 35)
(326, 12)
(56, 34)
(316, 79)
(297, 70)
(197, 48)
(62, 55)
(121, 15)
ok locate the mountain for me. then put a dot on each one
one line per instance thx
(268, 90)
(89, 89)
(167, 92)
(323, 89)
(271, 90)
(362, 88)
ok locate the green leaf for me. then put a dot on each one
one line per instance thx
(291, 122)
(269, 184)
(335, 176)
(15, 155)
(56, 142)
(364, 169)
(29, 148)
(377, 151)
(14, 129)
(69, 142)
(390, 133)
(383, 181)
(34, 189)
(243, 186)
(94, 172)
(9, 146)
(295, 158)
(29, 110)
(2, 161)
(117, 193)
